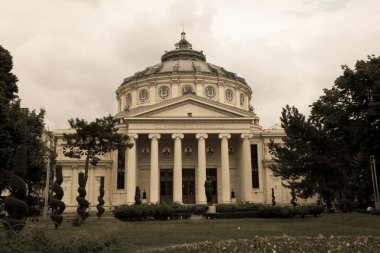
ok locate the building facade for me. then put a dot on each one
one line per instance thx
(188, 119)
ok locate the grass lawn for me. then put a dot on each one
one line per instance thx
(145, 235)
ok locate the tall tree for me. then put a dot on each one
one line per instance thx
(328, 153)
(350, 113)
(91, 139)
(304, 158)
(18, 127)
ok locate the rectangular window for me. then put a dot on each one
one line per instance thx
(255, 166)
(120, 167)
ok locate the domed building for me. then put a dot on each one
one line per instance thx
(188, 119)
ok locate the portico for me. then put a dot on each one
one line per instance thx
(189, 152)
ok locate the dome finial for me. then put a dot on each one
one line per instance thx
(183, 32)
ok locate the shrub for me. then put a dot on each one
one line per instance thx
(100, 205)
(56, 203)
(15, 206)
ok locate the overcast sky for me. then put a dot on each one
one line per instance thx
(71, 55)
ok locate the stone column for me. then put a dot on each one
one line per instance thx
(245, 169)
(131, 170)
(107, 186)
(154, 190)
(177, 170)
(226, 188)
(201, 194)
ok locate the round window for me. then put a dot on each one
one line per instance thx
(229, 95)
(143, 95)
(210, 92)
(163, 92)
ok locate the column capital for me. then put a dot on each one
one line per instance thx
(133, 136)
(246, 136)
(222, 136)
(175, 136)
(204, 136)
(155, 136)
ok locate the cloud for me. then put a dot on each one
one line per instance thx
(70, 56)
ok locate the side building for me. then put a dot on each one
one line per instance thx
(188, 119)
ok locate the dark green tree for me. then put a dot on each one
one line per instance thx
(91, 139)
(350, 113)
(8, 90)
(306, 159)
(18, 127)
(329, 153)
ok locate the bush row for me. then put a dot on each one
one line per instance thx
(245, 210)
(149, 212)
(270, 212)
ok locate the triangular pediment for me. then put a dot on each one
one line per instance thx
(189, 106)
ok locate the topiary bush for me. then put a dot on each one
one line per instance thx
(56, 203)
(99, 206)
(83, 203)
(14, 204)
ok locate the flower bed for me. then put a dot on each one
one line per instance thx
(284, 243)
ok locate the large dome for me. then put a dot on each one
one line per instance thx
(184, 59)
(183, 70)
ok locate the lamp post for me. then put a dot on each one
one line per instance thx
(47, 186)
(374, 181)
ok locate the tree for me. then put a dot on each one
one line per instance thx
(305, 159)
(18, 127)
(91, 139)
(329, 152)
(350, 112)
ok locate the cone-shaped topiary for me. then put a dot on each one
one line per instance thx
(100, 199)
(83, 204)
(56, 204)
(14, 204)
(273, 198)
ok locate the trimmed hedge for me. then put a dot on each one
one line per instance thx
(224, 211)
(263, 211)
(150, 212)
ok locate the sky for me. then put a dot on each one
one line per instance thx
(70, 56)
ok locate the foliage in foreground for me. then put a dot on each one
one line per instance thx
(38, 241)
(282, 244)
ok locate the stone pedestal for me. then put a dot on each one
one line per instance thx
(233, 200)
(211, 209)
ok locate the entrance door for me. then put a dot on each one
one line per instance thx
(188, 186)
(166, 186)
(212, 173)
